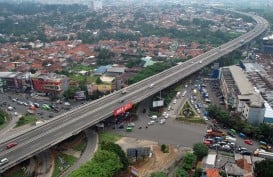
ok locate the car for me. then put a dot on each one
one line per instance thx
(123, 91)
(247, 141)
(67, 104)
(10, 145)
(3, 161)
(205, 118)
(200, 62)
(37, 105)
(15, 113)
(169, 108)
(174, 101)
(121, 101)
(151, 122)
(45, 107)
(246, 153)
(151, 85)
(50, 115)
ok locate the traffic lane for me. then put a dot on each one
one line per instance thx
(172, 132)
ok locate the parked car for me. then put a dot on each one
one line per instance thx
(247, 141)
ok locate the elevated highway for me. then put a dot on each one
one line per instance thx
(39, 138)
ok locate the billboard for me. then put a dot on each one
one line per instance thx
(158, 103)
(101, 88)
(123, 109)
(80, 95)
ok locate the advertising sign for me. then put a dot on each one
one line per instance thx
(158, 103)
(123, 109)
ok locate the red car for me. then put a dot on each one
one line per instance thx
(247, 141)
(10, 145)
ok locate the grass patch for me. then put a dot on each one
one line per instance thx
(26, 119)
(108, 137)
(82, 67)
(191, 120)
(60, 167)
(80, 146)
(226, 154)
(17, 172)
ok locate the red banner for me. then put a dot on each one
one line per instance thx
(123, 109)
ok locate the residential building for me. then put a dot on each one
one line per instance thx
(50, 83)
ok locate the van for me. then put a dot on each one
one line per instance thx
(4, 161)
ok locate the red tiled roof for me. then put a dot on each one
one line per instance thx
(212, 172)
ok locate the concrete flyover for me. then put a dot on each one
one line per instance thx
(37, 139)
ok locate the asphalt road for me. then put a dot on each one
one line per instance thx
(72, 122)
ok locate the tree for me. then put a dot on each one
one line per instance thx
(104, 164)
(197, 172)
(110, 146)
(188, 161)
(98, 81)
(158, 174)
(263, 168)
(182, 173)
(200, 150)
(3, 116)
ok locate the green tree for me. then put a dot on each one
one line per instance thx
(103, 164)
(98, 81)
(70, 92)
(3, 116)
(188, 161)
(180, 172)
(158, 174)
(110, 146)
(200, 150)
(197, 172)
(263, 168)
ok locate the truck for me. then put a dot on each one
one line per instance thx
(215, 133)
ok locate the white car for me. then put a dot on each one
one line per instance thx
(15, 113)
(174, 101)
(151, 122)
(151, 86)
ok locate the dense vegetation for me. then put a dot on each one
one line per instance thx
(261, 132)
(263, 168)
(3, 116)
(200, 150)
(188, 163)
(107, 161)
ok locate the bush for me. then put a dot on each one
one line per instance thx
(164, 148)
(200, 150)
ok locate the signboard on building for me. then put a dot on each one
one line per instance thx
(101, 88)
(80, 95)
(123, 109)
(158, 103)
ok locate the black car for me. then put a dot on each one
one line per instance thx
(246, 153)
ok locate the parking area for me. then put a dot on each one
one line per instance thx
(20, 104)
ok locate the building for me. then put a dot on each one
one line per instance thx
(267, 46)
(50, 83)
(115, 71)
(209, 161)
(240, 94)
(95, 5)
(16, 81)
